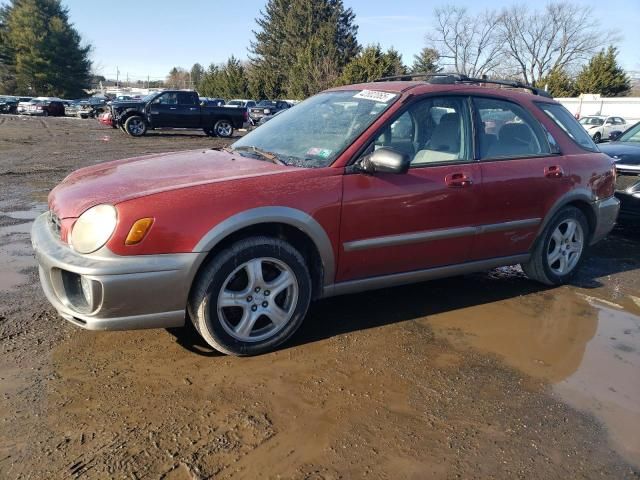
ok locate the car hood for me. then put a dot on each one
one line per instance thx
(122, 180)
(126, 104)
(624, 152)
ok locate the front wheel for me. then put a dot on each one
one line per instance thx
(560, 249)
(597, 137)
(135, 126)
(251, 297)
(223, 128)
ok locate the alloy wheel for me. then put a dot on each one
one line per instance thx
(257, 299)
(565, 247)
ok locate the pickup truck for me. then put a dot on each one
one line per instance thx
(172, 109)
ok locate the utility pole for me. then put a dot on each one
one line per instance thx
(117, 77)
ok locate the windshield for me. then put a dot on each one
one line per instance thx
(148, 98)
(591, 121)
(316, 131)
(266, 103)
(631, 135)
(235, 102)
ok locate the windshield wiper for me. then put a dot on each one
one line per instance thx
(272, 157)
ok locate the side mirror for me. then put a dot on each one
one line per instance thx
(385, 160)
(614, 135)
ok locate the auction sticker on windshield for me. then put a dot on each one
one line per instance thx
(375, 95)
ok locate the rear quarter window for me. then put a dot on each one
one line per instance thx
(568, 124)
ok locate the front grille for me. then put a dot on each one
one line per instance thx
(625, 181)
(54, 221)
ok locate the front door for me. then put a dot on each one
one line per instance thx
(163, 110)
(395, 223)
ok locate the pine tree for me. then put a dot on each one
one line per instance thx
(233, 80)
(426, 61)
(372, 63)
(211, 84)
(293, 39)
(40, 51)
(603, 75)
(197, 73)
(558, 83)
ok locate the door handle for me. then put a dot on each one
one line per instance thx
(554, 171)
(193, 108)
(458, 179)
(173, 108)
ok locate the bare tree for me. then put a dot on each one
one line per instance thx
(558, 38)
(467, 44)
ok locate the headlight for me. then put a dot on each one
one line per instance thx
(93, 228)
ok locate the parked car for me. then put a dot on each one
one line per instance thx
(212, 102)
(45, 107)
(240, 103)
(625, 151)
(8, 104)
(173, 109)
(327, 199)
(23, 103)
(266, 108)
(599, 127)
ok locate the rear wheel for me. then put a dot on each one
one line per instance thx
(135, 126)
(223, 128)
(251, 297)
(560, 249)
(597, 137)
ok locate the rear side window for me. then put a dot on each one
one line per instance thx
(569, 124)
(508, 131)
(187, 98)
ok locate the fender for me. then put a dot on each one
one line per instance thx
(578, 194)
(275, 214)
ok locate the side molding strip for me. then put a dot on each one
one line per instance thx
(354, 286)
(441, 234)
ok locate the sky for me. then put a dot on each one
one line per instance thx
(148, 37)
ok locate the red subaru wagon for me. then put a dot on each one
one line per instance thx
(359, 187)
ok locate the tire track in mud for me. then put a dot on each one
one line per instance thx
(46, 127)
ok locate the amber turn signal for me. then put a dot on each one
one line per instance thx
(138, 231)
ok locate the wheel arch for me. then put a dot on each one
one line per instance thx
(292, 225)
(582, 199)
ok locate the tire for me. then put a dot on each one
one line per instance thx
(135, 126)
(597, 137)
(45, 113)
(223, 128)
(235, 329)
(558, 253)
(209, 132)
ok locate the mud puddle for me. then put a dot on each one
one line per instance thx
(587, 348)
(16, 255)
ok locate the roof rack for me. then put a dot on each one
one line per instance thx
(453, 78)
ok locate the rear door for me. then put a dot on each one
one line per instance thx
(395, 223)
(188, 111)
(521, 178)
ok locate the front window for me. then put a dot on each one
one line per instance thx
(631, 135)
(591, 121)
(315, 132)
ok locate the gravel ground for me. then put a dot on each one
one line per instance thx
(482, 376)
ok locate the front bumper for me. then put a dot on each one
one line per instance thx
(121, 292)
(606, 214)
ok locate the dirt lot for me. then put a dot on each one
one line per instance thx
(482, 376)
